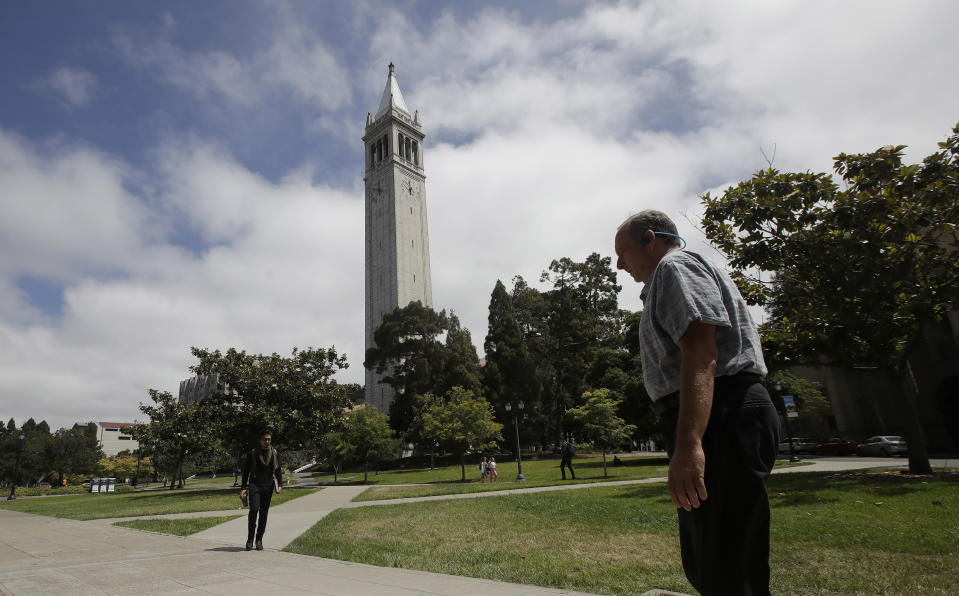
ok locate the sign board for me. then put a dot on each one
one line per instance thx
(790, 403)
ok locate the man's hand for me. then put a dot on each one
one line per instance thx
(242, 493)
(279, 488)
(687, 476)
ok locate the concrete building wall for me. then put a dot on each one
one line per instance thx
(115, 437)
(867, 402)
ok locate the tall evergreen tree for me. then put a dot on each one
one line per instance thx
(509, 375)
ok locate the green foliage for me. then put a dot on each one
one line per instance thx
(813, 405)
(509, 375)
(120, 467)
(367, 438)
(296, 397)
(415, 362)
(73, 451)
(461, 422)
(852, 273)
(599, 424)
(176, 431)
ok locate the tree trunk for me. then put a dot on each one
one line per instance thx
(366, 467)
(463, 467)
(605, 475)
(915, 437)
(336, 472)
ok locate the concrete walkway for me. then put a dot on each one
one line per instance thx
(287, 521)
(47, 555)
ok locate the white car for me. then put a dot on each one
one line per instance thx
(883, 446)
(802, 445)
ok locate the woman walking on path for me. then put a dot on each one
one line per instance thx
(261, 476)
(492, 470)
(484, 470)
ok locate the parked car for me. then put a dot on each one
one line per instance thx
(837, 446)
(802, 445)
(883, 446)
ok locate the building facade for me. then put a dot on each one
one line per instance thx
(115, 437)
(397, 238)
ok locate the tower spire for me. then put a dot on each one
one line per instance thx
(392, 96)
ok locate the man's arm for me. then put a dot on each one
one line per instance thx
(687, 469)
(278, 474)
(246, 472)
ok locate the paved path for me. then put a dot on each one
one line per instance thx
(287, 521)
(47, 555)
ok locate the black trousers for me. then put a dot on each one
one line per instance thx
(567, 462)
(725, 543)
(259, 508)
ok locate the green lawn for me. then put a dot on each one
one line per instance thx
(887, 535)
(159, 502)
(535, 470)
(538, 473)
(177, 527)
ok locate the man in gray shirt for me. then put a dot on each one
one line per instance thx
(703, 367)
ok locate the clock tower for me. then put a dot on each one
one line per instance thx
(397, 240)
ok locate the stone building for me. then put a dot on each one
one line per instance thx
(397, 239)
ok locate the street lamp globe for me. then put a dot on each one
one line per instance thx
(778, 387)
(509, 407)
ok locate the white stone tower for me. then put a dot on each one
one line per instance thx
(397, 241)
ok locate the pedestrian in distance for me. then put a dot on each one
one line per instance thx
(493, 475)
(566, 454)
(262, 476)
(484, 470)
(703, 368)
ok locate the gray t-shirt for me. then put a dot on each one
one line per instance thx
(684, 288)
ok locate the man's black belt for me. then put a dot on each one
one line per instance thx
(668, 402)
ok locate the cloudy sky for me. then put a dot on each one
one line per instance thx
(190, 173)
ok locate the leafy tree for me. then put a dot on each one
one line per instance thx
(176, 430)
(462, 422)
(813, 405)
(120, 467)
(460, 364)
(33, 462)
(73, 451)
(297, 397)
(599, 423)
(583, 316)
(509, 375)
(334, 449)
(368, 438)
(854, 274)
(408, 349)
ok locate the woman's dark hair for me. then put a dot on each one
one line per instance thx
(265, 432)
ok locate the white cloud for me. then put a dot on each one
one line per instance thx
(282, 274)
(74, 86)
(296, 62)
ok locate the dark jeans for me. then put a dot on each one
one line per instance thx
(259, 504)
(725, 543)
(567, 462)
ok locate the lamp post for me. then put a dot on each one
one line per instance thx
(789, 435)
(16, 469)
(519, 456)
